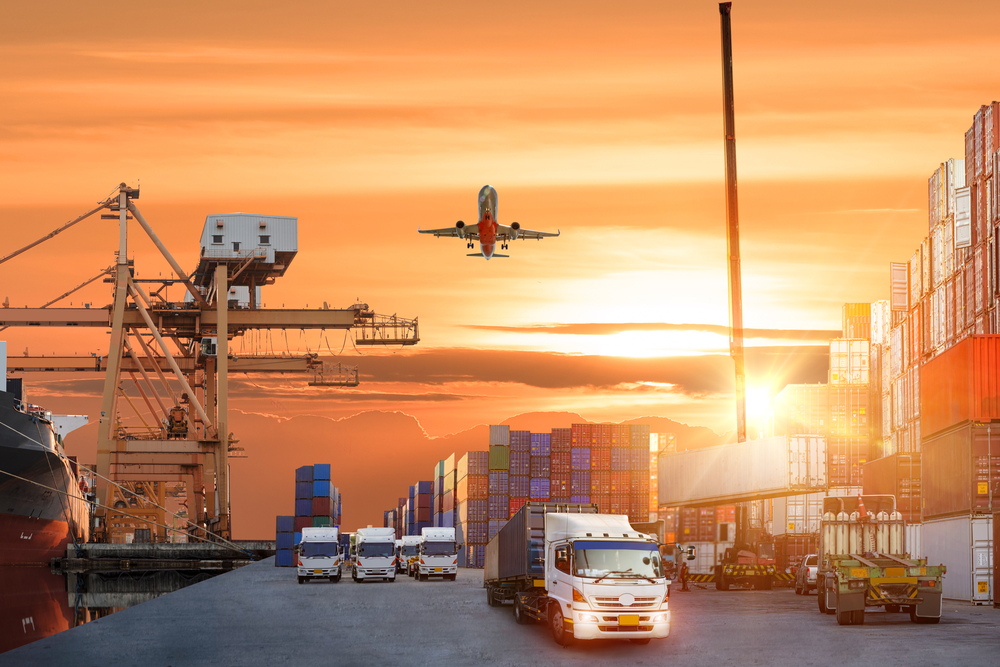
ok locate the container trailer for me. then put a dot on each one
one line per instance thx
(319, 554)
(587, 575)
(374, 554)
(863, 563)
(438, 555)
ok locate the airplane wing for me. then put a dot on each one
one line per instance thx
(506, 233)
(471, 232)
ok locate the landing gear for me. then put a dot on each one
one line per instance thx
(503, 246)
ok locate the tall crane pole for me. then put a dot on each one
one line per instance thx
(733, 225)
(743, 510)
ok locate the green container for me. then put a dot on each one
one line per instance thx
(499, 457)
(322, 522)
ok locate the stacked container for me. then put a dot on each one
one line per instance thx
(472, 496)
(317, 503)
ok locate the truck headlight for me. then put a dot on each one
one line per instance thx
(659, 618)
(589, 618)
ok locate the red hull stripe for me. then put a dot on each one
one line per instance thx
(26, 540)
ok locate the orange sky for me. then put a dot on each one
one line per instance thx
(368, 120)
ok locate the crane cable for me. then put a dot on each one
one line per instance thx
(188, 521)
(103, 204)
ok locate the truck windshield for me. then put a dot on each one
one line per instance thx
(439, 548)
(369, 549)
(409, 549)
(617, 560)
(319, 549)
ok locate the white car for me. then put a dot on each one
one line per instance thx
(805, 577)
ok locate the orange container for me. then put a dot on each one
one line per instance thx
(961, 384)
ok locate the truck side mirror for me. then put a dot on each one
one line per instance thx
(460, 546)
(691, 552)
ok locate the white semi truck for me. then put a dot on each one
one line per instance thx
(438, 554)
(375, 554)
(410, 554)
(319, 554)
(587, 575)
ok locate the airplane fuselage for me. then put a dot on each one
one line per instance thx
(488, 220)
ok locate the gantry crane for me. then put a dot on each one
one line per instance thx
(189, 440)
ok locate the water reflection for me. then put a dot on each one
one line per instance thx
(35, 603)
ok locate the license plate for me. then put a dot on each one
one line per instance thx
(437, 569)
(628, 619)
(317, 571)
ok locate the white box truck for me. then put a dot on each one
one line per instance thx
(319, 554)
(586, 575)
(438, 554)
(375, 554)
(410, 554)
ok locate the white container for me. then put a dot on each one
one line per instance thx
(752, 470)
(797, 515)
(707, 556)
(965, 545)
(500, 435)
(849, 361)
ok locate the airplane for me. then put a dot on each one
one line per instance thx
(489, 231)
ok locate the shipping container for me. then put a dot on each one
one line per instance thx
(303, 521)
(600, 458)
(519, 550)
(284, 524)
(283, 541)
(961, 471)
(789, 550)
(579, 499)
(499, 483)
(423, 488)
(580, 458)
(322, 506)
(640, 460)
(495, 525)
(753, 470)
(473, 510)
(499, 457)
(477, 532)
(559, 486)
(961, 384)
(580, 482)
(560, 463)
(322, 521)
(519, 486)
(321, 471)
(621, 458)
(520, 441)
(321, 487)
(422, 501)
(849, 357)
(498, 506)
(473, 463)
(539, 489)
(516, 504)
(640, 436)
(600, 482)
(603, 502)
(303, 490)
(304, 474)
(561, 440)
(964, 545)
(475, 556)
(473, 487)
(500, 435)
(303, 507)
(541, 444)
(541, 466)
(284, 558)
(797, 515)
(896, 475)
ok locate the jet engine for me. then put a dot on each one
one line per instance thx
(460, 226)
(514, 226)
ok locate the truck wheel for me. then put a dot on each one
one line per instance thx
(719, 585)
(821, 600)
(765, 582)
(858, 617)
(520, 616)
(845, 617)
(490, 600)
(302, 580)
(336, 579)
(798, 591)
(557, 624)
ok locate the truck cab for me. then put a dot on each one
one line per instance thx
(438, 556)
(319, 554)
(375, 554)
(410, 554)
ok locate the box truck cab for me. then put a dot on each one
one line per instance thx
(375, 554)
(438, 554)
(319, 554)
(410, 554)
(586, 575)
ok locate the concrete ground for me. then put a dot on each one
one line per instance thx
(259, 615)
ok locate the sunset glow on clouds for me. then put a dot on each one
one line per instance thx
(369, 120)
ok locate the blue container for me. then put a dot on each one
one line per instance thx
(479, 463)
(541, 444)
(321, 471)
(284, 524)
(498, 483)
(303, 507)
(541, 466)
(476, 532)
(579, 484)
(579, 458)
(621, 458)
(559, 499)
(284, 541)
(304, 474)
(296, 538)
(284, 558)
(579, 499)
(321, 488)
(419, 526)
(413, 492)
(303, 490)
(477, 510)
(520, 463)
(520, 441)
(499, 507)
(540, 489)
(494, 528)
(520, 486)
(447, 520)
(423, 487)
(640, 460)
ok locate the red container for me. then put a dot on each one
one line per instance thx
(637, 509)
(961, 471)
(303, 522)
(961, 384)
(561, 440)
(688, 524)
(619, 504)
(789, 550)
(423, 514)
(422, 500)
(603, 503)
(635, 481)
(706, 524)
(559, 486)
(600, 458)
(322, 506)
(897, 475)
(725, 514)
(516, 504)
(600, 482)
(473, 487)
(561, 462)
(620, 481)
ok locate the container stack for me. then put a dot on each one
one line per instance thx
(560, 464)
(317, 503)
(472, 497)
(540, 485)
(420, 501)
(498, 481)
(519, 474)
(444, 488)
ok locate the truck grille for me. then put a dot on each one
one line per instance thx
(626, 628)
(613, 603)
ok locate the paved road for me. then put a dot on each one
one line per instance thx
(259, 615)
